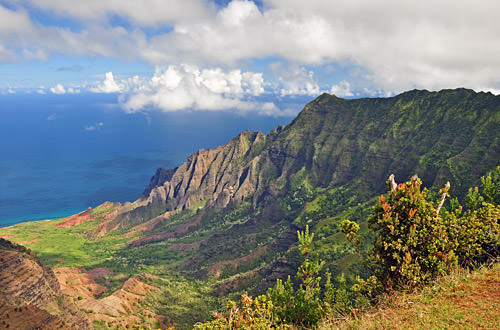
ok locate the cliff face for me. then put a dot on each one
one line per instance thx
(335, 142)
(30, 296)
(213, 178)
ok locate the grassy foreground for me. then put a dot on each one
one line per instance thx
(462, 300)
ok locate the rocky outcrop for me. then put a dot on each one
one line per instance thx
(122, 308)
(26, 285)
(211, 177)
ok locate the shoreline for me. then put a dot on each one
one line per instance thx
(10, 224)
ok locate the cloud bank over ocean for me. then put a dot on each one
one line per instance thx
(228, 54)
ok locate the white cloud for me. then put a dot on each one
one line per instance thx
(72, 90)
(384, 45)
(254, 82)
(342, 89)
(189, 87)
(58, 89)
(95, 127)
(144, 12)
(396, 45)
(51, 117)
(9, 90)
(109, 85)
(294, 80)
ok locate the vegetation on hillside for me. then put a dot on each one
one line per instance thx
(415, 243)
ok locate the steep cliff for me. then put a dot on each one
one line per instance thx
(212, 177)
(30, 296)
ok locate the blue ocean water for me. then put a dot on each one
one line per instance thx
(60, 154)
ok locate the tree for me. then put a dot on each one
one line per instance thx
(412, 244)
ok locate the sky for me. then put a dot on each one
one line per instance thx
(245, 56)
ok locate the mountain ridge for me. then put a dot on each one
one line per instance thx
(346, 146)
(282, 147)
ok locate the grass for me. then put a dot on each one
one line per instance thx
(462, 300)
(52, 243)
(60, 246)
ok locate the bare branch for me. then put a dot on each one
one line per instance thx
(443, 197)
(393, 183)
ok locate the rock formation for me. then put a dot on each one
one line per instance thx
(30, 295)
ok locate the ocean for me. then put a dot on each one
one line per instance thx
(60, 154)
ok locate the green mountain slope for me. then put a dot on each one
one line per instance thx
(231, 213)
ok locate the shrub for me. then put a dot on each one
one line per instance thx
(477, 233)
(477, 230)
(416, 241)
(412, 244)
(303, 307)
(253, 314)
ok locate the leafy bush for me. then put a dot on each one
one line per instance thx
(416, 241)
(488, 193)
(477, 230)
(304, 306)
(477, 233)
(254, 314)
(412, 244)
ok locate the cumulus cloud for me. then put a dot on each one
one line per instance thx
(95, 127)
(383, 45)
(396, 45)
(58, 89)
(342, 89)
(9, 90)
(294, 80)
(189, 87)
(109, 85)
(20, 38)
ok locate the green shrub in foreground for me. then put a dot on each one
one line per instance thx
(477, 230)
(412, 244)
(416, 241)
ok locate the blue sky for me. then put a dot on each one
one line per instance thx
(247, 56)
